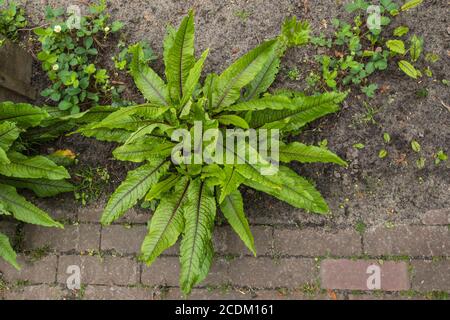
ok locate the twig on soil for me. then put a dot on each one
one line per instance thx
(446, 106)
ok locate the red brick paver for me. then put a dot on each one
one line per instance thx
(354, 275)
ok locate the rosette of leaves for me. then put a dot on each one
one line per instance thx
(188, 195)
(18, 170)
(70, 48)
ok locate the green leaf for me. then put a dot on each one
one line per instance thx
(230, 119)
(408, 68)
(134, 188)
(23, 210)
(307, 109)
(167, 223)
(115, 119)
(382, 154)
(3, 157)
(23, 114)
(263, 79)
(293, 189)
(196, 246)
(416, 47)
(8, 134)
(162, 187)
(269, 102)
(105, 134)
(397, 46)
(147, 149)
(230, 183)
(148, 82)
(401, 31)
(415, 146)
(7, 251)
(180, 58)
(411, 4)
(33, 167)
(193, 78)
(232, 208)
(41, 187)
(308, 154)
(228, 86)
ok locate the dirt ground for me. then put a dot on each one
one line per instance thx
(371, 190)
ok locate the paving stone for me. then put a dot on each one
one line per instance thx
(347, 274)
(125, 240)
(431, 275)
(107, 270)
(226, 241)
(37, 272)
(37, 292)
(80, 237)
(92, 212)
(384, 297)
(437, 217)
(93, 292)
(207, 294)
(292, 295)
(272, 273)
(313, 242)
(165, 271)
(135, 215)
(414, 241)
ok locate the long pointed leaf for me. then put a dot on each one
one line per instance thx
(134, 188)
(7, 251)
(233, 209)
(23, 210)
(196, 244)
(166, 224)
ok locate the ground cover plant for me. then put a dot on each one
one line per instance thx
(70, 51)
(188, 194)
(20, 168)
(360, 48)
(12, 19)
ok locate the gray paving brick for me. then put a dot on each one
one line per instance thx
(437, 217)
(314, 242)
(37, 272)
(272, 273)
(431, 275)
(125, 240)
(36, 292)
(226, 241)
(107, 270)
(93, 292)
(408, 240)
(78, 238)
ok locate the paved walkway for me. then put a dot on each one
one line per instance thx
(293, 263)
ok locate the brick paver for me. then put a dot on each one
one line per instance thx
(431, 275)
(35, 292)
(124, 240)
(226, 241)
(312, 242)
(82, 237)
(32, 272)
(417, 241)
(106, 270)
(117, 293)
(272, 273)
(354, 275)
(437, 217)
